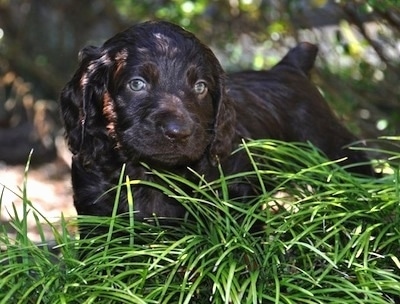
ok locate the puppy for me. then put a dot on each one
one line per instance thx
(155, 94)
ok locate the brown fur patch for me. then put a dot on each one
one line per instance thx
(111, 116)
(120, 61)
(82, 107)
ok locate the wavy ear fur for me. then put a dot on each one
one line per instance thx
(224, 127)
(82, 103)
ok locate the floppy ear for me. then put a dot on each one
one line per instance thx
(82, 102)
(224, 127)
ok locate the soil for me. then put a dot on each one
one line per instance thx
(48, 188)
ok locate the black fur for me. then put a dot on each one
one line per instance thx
(155, 94)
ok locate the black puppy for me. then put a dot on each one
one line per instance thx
(155, 94)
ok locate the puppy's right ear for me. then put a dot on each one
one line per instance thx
(81, 98)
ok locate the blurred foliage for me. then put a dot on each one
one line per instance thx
(382, 5)
(358, 66)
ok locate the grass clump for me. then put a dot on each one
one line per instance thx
(327, 237)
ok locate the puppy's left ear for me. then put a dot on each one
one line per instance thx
(224, 128)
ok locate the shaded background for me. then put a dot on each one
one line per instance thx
(357, 70)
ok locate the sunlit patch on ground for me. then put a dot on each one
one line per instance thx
(48, 188)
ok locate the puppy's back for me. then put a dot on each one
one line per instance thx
(283, 103)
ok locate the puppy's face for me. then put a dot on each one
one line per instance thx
(155, 92)
(162, 95)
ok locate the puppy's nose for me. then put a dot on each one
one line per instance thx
(176, 130)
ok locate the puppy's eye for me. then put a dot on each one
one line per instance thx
(137, 84)
(200, 87)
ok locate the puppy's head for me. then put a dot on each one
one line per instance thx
(155, 92)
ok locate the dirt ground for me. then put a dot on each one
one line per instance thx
(48, 187)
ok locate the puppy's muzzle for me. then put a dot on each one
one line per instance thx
(176, 129)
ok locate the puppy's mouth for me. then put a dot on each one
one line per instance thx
(174, 157)
(162, 150)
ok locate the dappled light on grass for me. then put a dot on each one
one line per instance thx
(315, 234)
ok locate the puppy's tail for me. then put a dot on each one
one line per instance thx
(301, 56)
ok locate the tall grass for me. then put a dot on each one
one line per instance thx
(315, 234)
